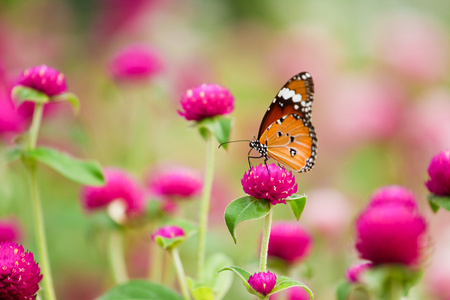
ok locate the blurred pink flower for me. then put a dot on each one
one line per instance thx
(206, 101)
(168, 232)
(20, 273)
(135, 62)
(390, 233)
(439, 171)
(262, 282)
(393, 194)
(175, 182)
(44, 79)
(10, 230)
(414, 46)
(119, 186)
(293, 293)
(354, 273)
(328, 212)
(290, 242)
(269, 182)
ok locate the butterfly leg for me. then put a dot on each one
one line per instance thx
(267, 167)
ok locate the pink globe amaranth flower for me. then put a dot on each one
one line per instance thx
(177, 182)
(391, 233)
(354, 273)
(206, 101)
(19, 273)
(10, 230)
(269, 182)
(135, 62)
(439, 171)
(262, 282)
(119, 186)
(293, 293)
(394, 194)
(290, 242)
(168, 232)
(44, 79)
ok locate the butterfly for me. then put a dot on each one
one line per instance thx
(286, 133)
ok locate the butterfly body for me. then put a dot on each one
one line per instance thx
(286, 133)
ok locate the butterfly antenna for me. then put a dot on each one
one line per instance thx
(248, 141)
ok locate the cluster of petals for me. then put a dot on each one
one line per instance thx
(168, 232)
(119, 186)
(206, 101)
(269, 182)
(135, 62)
(10, 230)
(391, 233)
(176, 182)
(394, 194)
(293, 293)
(439, 172)
(263, 282)
(19, 273)
(43, 79)
(289, 242)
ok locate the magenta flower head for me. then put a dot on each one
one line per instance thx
(391, 233)
(44, 79)
(439, 171)
(269, 182)
(262, 282)
(206, 101)
(10, 230)
(119, 186)
(135, 62)
(19, 273)
(355, 272)
(177, 182)
(394, 194)
(168, 232)
(293, 293)
(290, 242)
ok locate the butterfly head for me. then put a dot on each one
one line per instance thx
(261, 148)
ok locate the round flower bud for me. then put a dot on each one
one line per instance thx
(394, 194)
(19, 273)
(269, 182)
(9, 230)
(176, 182)
(135, 62)
(439, 171)
(390, 233)
(44, 79)
(290, 242)
(168, 232)
(262, 282)
(206, 101)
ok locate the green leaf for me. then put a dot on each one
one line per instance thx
(140, 290)
(297, 203)
(284, 283)
(200, 291)
(244, 276)
(68, 97)
(12, 154)
(438, 201)
(22, 93)
(343, 290)
(242, 209)
(219, 126)
(84, 172)
(220, 283)
(169, 243)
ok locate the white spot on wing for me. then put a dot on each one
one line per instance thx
(297, 98)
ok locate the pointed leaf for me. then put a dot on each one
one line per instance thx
(343, 290)
(244, 275)
(140, 290)
(169, 243)
(219, 126)
(297, 204)
(69, 97)
(81, 171)
(243, 209)
(284, 283)
(439, 201)
(22, 93)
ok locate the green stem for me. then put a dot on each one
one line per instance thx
(156, 259)
(204, 207)
(35, 124)
(116, 257)
(47, 282)
(395, 291)
(265, 241)
(180, 273)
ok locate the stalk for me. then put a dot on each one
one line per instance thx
(265, 241)
(180, 273)
(116, 257)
